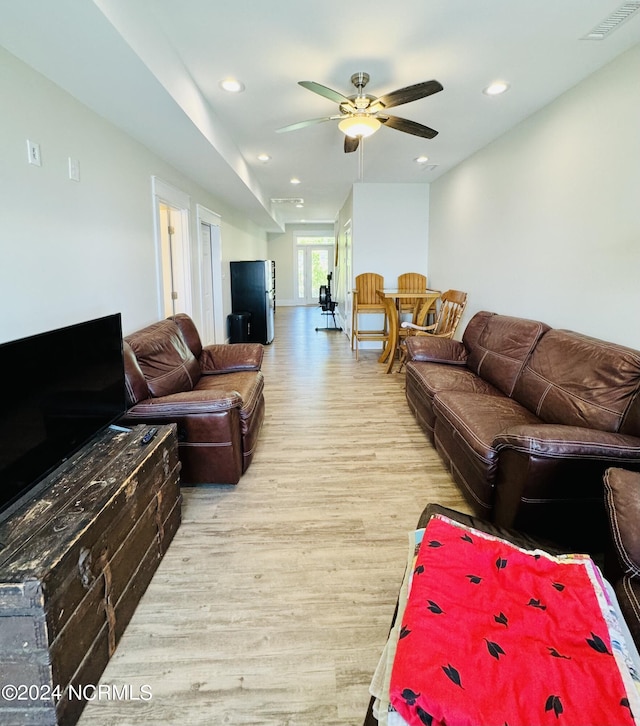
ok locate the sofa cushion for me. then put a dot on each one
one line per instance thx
(622, 497)
(477, 419)
(580, 381)
(164, 358)
(431, 378)
(466, 426)
(501, 349)
(475, 327)
(189, 332)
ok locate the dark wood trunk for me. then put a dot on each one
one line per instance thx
(74, 563)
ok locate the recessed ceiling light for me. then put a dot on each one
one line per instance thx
(496, 88)
(422, 159)
(264, 157)
(232, 85)
(295, 180)
(300, 206)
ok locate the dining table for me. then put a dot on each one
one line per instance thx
(391, 299)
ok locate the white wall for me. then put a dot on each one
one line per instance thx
(72, 251)
(390, 229)
(389, 235)
(545, 222)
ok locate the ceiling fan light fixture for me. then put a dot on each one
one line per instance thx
(359, 126)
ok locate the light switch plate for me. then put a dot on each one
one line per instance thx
(33, 153)
(74, 169)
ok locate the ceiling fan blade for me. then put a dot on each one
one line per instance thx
(405, 95)
(310, 122)
(324, 91)
(351, 143)
(409, 127)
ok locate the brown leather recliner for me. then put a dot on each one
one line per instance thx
(214, 394)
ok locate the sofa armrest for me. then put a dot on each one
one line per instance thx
(224, 358)
(622, 497)
(187, 403)
(436, 350)
(569, 442)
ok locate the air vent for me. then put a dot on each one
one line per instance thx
(288, 200)
(428, 167)
(615, 20)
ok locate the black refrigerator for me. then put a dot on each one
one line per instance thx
(253, 290)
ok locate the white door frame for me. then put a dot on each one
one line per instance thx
(213, 220)
(180, 203)
(346, 259)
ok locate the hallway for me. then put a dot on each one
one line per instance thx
(273, 602)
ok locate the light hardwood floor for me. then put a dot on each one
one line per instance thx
(273, 602)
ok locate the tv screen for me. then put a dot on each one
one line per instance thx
(60, 389)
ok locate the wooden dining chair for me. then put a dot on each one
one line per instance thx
(411, 282)
(419, 315)
(449, 312)
(367, 302)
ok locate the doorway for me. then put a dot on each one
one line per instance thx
(314, 262)
(172, 240)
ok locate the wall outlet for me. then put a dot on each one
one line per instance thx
(33, 153)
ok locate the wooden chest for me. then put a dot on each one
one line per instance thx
(74, 562)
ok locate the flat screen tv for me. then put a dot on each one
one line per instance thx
(60, 389)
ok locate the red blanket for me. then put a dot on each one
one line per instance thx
(493, 635)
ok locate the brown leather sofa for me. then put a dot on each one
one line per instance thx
(214, 394)
(528, 418)
(622, 493)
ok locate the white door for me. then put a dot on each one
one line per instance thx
(208, 323)
(314, 263)
(210, 273)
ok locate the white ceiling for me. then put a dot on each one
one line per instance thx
(152, 67)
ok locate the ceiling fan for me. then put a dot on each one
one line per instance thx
(362, 115)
